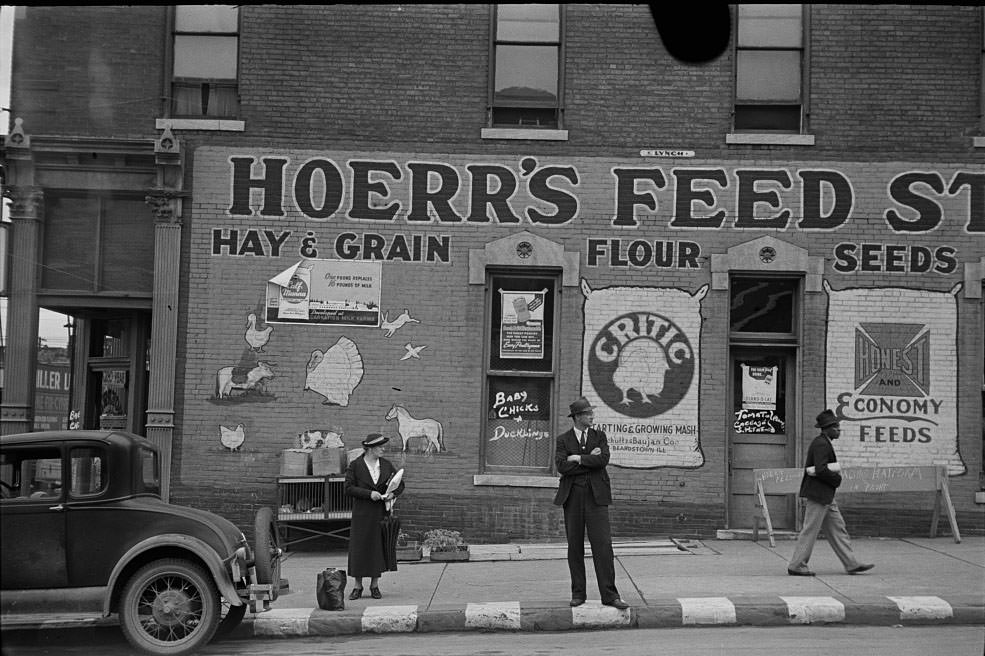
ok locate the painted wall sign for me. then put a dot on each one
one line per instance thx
(891, 376)
(456, 189)
(326, 292)
(521, 334)
(641, 366)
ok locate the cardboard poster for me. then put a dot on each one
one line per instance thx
(327, 292)
(758, 387)
(521, 334)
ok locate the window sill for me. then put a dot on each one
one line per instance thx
(978, 142)
(223, 125)
(505, 480)
(524, 133)
(769, 139)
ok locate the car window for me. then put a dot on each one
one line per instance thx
(88, 471)
(31, 473)
(150, 471)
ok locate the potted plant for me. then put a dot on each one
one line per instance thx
(409, 547)
(445, 545)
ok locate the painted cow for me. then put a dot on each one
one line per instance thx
(225, 381)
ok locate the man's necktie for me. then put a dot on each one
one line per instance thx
(582, 440)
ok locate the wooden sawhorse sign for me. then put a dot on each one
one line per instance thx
(860, 480)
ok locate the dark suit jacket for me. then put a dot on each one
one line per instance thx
(591, 467)
(821, 487)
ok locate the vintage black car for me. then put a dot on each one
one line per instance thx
(86, 536)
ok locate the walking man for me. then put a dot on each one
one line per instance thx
(581, 456)
(821, 479)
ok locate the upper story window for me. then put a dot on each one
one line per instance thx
(770, 68)
(527, 67)
(206, 61)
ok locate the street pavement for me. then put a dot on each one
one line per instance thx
(666, 582)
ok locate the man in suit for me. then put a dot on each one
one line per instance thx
(581, 455)
(821, 478)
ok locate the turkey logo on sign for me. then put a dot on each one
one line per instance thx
(641, 364)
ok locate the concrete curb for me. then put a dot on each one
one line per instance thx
(658, 613)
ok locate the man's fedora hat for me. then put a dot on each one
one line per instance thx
(825, 419)
(580, 406)
(375, 439)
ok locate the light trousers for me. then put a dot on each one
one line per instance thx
(818, 516)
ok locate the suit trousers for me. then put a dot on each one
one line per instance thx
(581, 513)
(818, 516)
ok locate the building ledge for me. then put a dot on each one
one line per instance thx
(201, 124)
(524, 133)
(510, 480)
(769, 139)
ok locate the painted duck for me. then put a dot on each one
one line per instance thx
(254, 337)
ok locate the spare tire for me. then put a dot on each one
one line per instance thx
(267, 550)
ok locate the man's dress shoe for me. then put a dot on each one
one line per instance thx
(617, 603)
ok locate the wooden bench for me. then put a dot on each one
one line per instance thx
(859, 480)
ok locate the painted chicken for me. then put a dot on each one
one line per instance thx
(254, 337)
(232, 438)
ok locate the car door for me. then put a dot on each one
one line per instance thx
(32, 539)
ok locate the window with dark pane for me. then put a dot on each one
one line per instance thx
(763, 305)
(769, 68)
(526, 66)
(206, 61)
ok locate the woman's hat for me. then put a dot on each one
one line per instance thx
(825, 419)
(580, 406)
(375, 439)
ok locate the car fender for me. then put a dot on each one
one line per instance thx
(199, 548)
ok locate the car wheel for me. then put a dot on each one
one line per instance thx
(231, 616)
(169, 607)
(267, 553)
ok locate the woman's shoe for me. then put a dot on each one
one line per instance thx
(355, 594)
(376, 593)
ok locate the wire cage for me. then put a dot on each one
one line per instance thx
(312, 498)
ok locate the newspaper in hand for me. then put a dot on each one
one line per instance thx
(392, 486)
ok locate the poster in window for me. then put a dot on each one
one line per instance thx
(326, 292)
(518, 425)
(522, 328)
(758, 387)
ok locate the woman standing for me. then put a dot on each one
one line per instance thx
(366, 481)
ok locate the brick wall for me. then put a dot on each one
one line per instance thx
(891, 86)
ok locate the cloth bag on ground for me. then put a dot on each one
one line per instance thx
(330, 589)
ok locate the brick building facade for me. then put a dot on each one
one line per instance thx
(363, 227)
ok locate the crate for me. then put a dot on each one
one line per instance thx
(328, 460)
(312, 498)
(294, 463)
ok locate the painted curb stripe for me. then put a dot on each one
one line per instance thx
(923, 608)
(810, 610)
(707, 610)
(596, 615)
(389, 619)
(503, 615)
(283, 622)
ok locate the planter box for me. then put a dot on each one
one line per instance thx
(450, 556)
(409, 553)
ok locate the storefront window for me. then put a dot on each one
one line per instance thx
(760, 397)
(520, 374)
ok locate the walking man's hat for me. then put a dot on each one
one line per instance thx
(580, 406)
(825, 419)
(375, 439)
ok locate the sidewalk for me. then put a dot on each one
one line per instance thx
(668, 583)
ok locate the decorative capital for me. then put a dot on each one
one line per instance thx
(165, 204)
(25, 202)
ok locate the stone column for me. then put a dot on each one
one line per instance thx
(164, 328)
(26, 212)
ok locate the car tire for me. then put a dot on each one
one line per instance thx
(267, 554)
(231, 617)
(169, 607)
